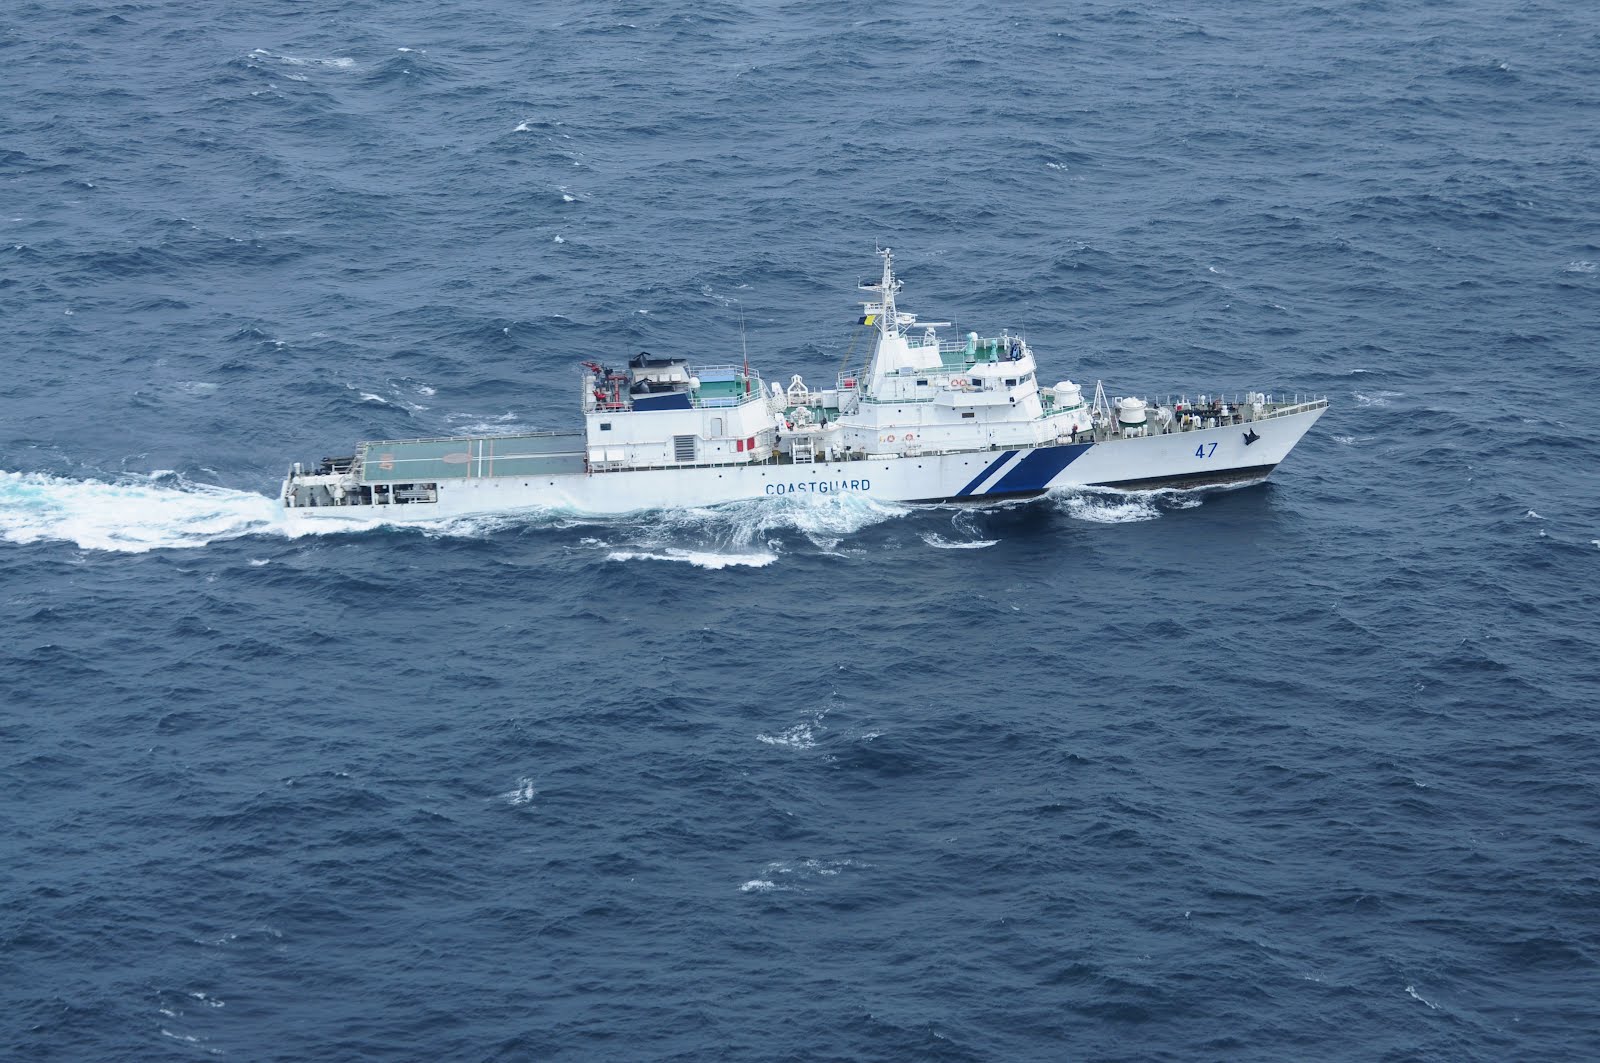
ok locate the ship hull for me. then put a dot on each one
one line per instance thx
(1196, 458)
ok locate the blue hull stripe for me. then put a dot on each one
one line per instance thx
(1034, 472)
(984, 475)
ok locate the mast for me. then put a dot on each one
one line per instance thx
(745, 347)
(882, 311)
(889, 319)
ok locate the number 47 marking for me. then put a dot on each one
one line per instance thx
(1205, 450)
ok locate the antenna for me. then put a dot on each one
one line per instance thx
(744, 347)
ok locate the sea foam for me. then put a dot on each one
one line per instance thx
(164, 511)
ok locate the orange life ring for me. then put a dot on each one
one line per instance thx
(888, 439)
(909, 437)
(959, 382)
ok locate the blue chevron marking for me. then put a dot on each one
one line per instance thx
(1034, 472)
(984, 475)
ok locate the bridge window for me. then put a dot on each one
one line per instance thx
(605, 426)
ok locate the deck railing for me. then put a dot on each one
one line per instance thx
(539, 434)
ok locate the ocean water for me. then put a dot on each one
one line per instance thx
(1305, 770)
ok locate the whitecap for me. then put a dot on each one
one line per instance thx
(559, 240)
(493, 428)
(477, 424)
(759, 885)
(939, 542)
(1414, 995)
(336, 63)
(697, 558)
(522, 795)
(1377, 398)
(1580, 266)
(800, 736)
(796, 875)
(1534, 516)
(523, 127)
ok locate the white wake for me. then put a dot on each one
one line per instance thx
(163, 511)
(137, 514)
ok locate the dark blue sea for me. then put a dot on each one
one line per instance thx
(1303, 770)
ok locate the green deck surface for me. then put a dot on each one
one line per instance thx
(960, 358)
(722, 389)
(409, 460)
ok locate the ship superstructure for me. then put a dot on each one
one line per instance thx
(925, 419)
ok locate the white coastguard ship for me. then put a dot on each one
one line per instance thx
(925, 420)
